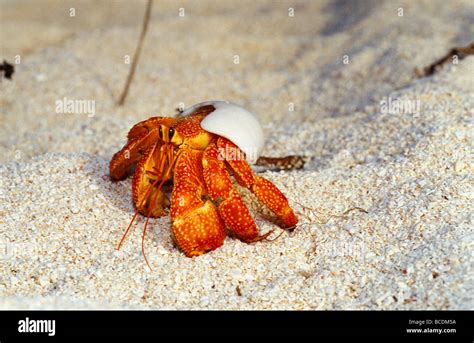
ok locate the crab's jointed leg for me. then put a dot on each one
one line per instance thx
(140, 138)
(265, 191)
(232, 209)
(148, 197)
(130, 154)
(197, 227)
(153, 170)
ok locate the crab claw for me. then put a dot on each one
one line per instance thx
(200, 231)
(197, 227)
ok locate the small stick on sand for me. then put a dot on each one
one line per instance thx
(137, 53)
(282, 163)
(461, 52)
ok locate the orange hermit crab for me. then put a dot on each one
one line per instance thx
(197, 151)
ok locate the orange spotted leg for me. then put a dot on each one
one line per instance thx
(140, 137)
(232, 209)
(151, 167)
(130, 154)
(154, 167)
(197, 227)
(265, 191)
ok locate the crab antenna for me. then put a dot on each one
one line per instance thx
(143, 240)
(126, 231)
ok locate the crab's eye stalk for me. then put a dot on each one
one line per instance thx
(170, 133)
(160, 132)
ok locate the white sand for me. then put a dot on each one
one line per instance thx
(61, 217)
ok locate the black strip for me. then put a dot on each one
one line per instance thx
(245, 323)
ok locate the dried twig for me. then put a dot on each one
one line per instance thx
(282, 163)
(461, 52)
(137, 53)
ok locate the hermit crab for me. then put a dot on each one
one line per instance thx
(197, 152)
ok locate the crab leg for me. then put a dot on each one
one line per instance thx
(197, 227)
(265, 191)
(149, 125)
(130, 154)
(150, 201)
(148, 197)
(232, 209)
(140, 137)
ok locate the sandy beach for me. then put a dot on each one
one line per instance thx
(335, 82)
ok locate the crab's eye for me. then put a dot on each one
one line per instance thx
(160, 132)
(171, 133)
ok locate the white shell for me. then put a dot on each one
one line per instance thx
(236, 124)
